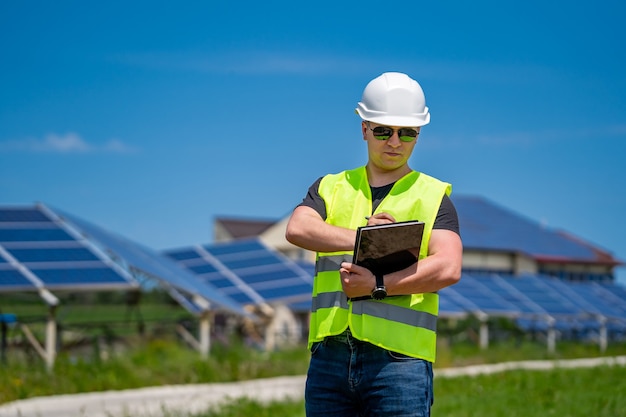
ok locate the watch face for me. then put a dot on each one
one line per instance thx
(379, 293)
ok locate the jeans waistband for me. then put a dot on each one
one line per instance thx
(345, 337)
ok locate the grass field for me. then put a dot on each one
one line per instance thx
(561, 392)
(597, 392)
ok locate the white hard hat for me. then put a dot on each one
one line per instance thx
(394, 99)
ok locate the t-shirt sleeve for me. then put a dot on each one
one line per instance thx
(314, 200)
(447, 217)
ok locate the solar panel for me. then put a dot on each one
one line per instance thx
(502, 288)
(553, 302)
(586, 296)
(447, 304)
(12, 280)
(38, 250)
(153, 264)
(612, 296)
(58, 254)
(51, 233)
(618, 292)
(308, 267)
(76, 278)
(248, 271)
(483, 297)
(22, 214)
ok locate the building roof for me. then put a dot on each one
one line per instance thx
(239, 228)
(486, 225)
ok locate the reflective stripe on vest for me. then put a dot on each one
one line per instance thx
(405, 324)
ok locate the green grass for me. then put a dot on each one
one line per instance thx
(597, 392)
(158, 362)
(163, 361)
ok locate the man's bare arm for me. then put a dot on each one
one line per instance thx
(308, 230)
(440, 269)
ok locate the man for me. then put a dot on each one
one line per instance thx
(373, 357)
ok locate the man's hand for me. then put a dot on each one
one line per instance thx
(356, 280)
(380, 218)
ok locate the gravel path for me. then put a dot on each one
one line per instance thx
(196, 398)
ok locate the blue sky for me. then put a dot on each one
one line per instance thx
(152, 118)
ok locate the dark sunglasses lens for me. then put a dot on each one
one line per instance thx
(382, 132)
(407, 135)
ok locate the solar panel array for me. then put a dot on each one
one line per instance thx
(535, 300)
(249, 272)
(39, 251)
(42, 248)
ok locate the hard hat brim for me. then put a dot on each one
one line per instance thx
(398, 121)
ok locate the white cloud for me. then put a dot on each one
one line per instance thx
(69, 143)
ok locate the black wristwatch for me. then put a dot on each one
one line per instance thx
(380, 291)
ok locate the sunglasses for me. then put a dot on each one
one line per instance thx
(406, 134)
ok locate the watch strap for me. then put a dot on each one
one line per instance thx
(380, 282)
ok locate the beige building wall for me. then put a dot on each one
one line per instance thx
(274, 237)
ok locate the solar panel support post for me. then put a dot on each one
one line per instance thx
(203, 343)
(551, 335)
(205, 334)
(50, 351)
(33, 340)
(187, 337)
(47, 353)
(48, 297)
(603, 334)
(3, 339)
(484, 330)
(51, 338)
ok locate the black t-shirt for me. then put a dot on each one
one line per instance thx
(447, 217)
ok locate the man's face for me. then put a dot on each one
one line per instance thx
(385, 148)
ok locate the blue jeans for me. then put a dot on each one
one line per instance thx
(350, 378)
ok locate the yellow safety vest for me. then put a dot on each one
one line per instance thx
(404, 324)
